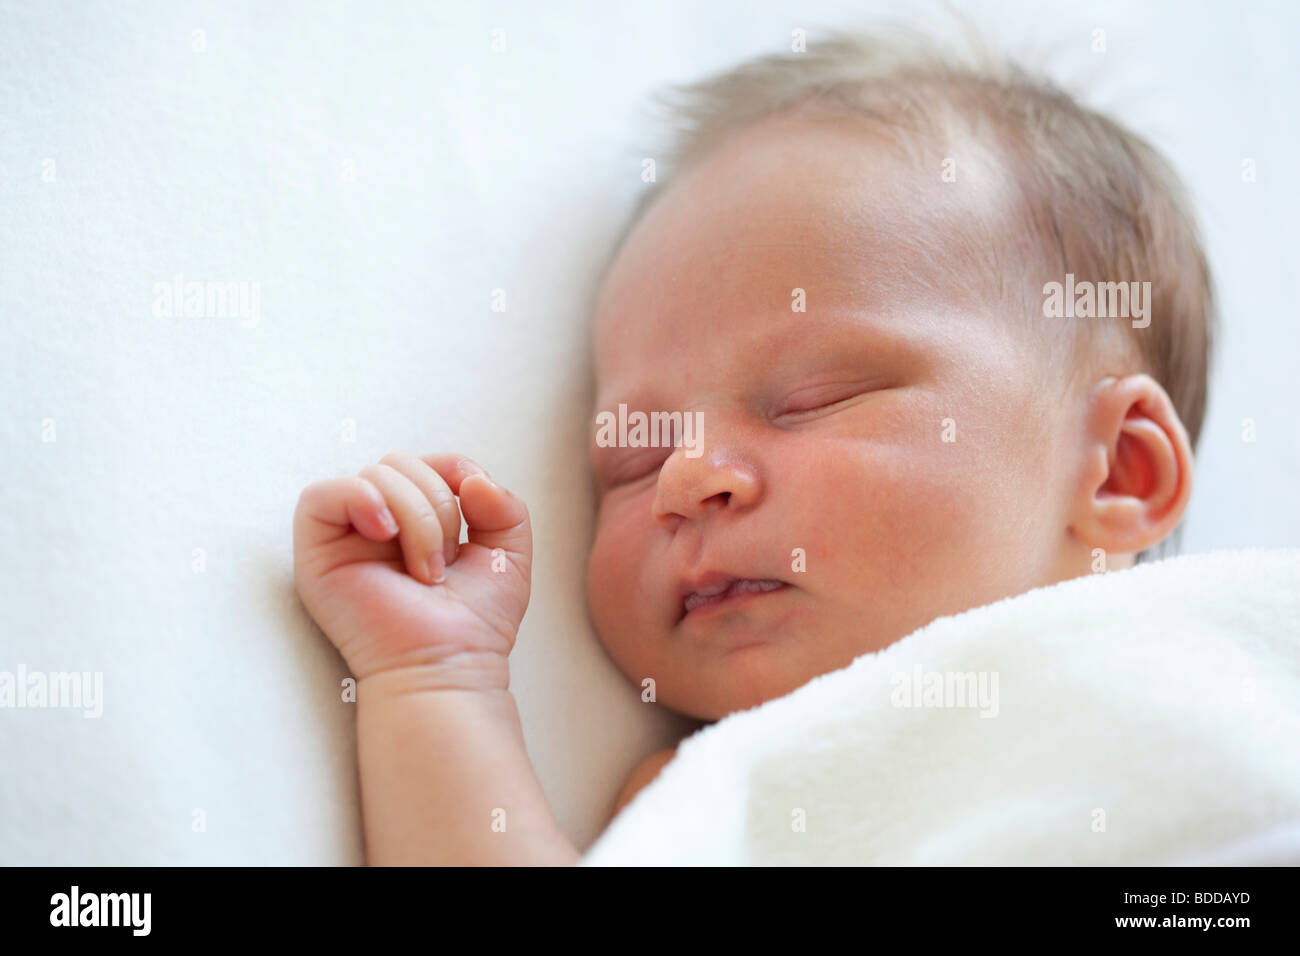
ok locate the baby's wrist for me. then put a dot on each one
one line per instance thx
(464, 671)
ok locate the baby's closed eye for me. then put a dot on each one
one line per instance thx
(820, 398)
(635, 464)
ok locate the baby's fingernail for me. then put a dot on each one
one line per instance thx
(388, 521)
(437, 568)
(469, 468)
(449, 551)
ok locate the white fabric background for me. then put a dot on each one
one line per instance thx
(378, 170)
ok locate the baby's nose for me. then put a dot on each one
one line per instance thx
(721, 476)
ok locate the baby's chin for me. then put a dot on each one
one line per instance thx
(736, 668)
(742, 678)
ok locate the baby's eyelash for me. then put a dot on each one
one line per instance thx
(641, 468)
(837, 399)
(810, 408)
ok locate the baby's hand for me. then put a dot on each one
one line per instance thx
(368, 553)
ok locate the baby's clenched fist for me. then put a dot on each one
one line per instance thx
(378, 566)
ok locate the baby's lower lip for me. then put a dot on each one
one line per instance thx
(726, 601)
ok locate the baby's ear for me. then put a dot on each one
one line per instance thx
(1137, 477)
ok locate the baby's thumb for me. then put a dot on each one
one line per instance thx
(496, 518)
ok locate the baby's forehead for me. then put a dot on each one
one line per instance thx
(828, 212)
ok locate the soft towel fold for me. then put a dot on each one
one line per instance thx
(1145, 716)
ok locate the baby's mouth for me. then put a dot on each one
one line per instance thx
(730, 591)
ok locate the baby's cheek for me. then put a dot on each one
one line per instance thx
(877, 503)
(914, 516)
(613, 564)
(972, 517)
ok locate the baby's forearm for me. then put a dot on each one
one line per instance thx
(446, 780)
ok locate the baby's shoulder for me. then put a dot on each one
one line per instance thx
(641, 777)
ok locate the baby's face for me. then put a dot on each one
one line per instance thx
(896, 433)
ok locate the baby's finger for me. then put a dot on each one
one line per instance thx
(327, 510)
(453, 468)
(435, 489)
(421, 531)
(496, 518)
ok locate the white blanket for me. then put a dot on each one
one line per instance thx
(1147, 716)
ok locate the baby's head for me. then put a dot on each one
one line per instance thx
(845, 281)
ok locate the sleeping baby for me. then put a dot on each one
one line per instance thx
(942, 336)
